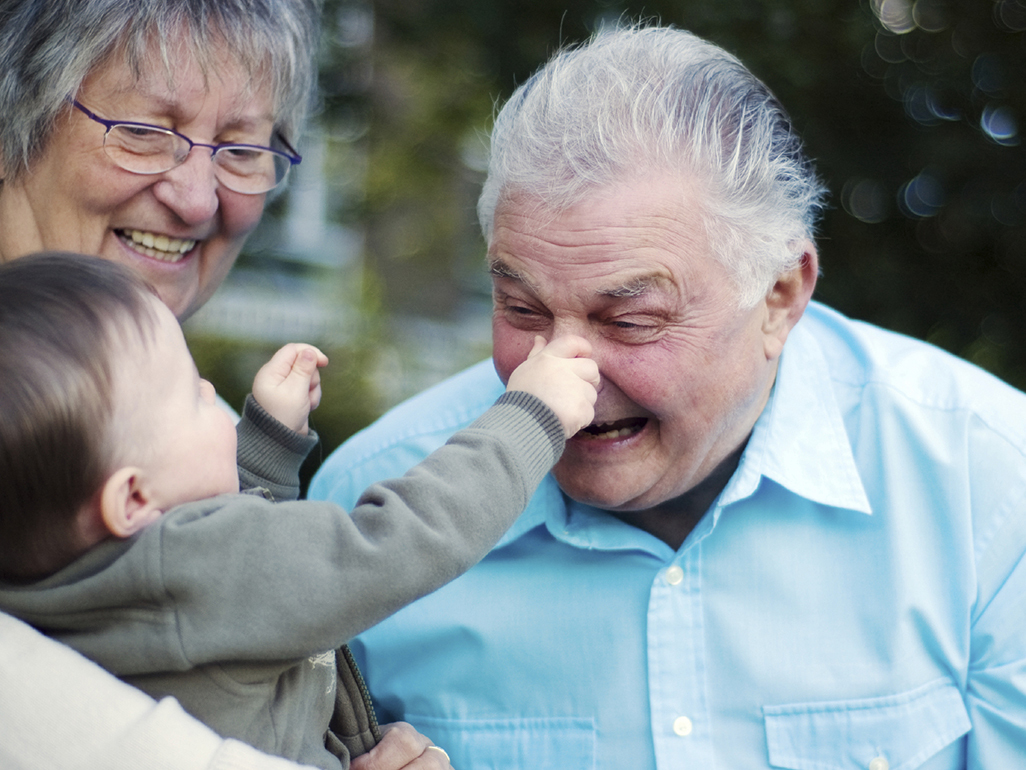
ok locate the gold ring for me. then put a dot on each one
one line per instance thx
(439, 748)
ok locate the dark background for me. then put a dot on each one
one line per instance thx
(912, 110)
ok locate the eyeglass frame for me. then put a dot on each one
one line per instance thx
(292, 156)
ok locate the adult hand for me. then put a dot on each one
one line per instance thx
(402, 748)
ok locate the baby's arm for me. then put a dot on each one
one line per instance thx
(405, 537)
(274, 432)
(288, 386)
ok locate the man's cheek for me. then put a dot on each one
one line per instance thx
(509, 349)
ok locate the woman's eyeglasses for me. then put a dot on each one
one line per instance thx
(250, 169)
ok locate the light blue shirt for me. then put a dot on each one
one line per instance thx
(855, 597)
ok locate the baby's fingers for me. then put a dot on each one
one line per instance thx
(539, 346)
(565, 346)
(586, 369)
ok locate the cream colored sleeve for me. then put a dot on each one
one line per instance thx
(59, 711)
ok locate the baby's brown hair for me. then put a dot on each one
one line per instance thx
(63, 318)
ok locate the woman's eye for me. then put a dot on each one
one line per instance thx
(241, 153)
(129, 134)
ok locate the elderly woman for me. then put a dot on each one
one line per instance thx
(150, 132)
(147, 132)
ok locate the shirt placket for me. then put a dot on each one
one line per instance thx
(681, 726)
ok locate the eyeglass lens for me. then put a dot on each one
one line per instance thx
(143, 150)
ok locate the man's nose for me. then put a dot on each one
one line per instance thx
(562, 325)
(580, 327)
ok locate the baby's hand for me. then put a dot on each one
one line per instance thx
(288, 386)
(562, 376)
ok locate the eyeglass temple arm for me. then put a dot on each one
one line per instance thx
(296, 157)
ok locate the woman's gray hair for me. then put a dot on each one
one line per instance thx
(638, 101)
(48, 48)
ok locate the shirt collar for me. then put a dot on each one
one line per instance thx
(547, 502)
(800, 441)
(579, 525)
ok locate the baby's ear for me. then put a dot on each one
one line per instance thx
(125, 504)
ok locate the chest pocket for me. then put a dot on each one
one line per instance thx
(482, 744)
(896, 732)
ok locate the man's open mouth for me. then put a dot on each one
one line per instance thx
(615, 429)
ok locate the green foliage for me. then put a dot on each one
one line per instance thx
(912, 110)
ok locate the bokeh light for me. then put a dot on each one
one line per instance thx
(895, 15)
(998, 122)
(922, 196)
(1011, 14)
(866, 200)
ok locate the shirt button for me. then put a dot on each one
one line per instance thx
(674, 575)
(879, 764)
(682, 726)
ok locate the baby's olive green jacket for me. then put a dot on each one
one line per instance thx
(239, 606)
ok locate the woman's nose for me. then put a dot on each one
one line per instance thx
(190, 190)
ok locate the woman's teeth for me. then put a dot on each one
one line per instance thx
(157, 246)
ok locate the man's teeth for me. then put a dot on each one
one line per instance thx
(612, 433)
(158, 246)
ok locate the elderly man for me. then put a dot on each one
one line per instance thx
(789, 539)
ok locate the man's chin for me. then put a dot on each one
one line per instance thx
(595, 489)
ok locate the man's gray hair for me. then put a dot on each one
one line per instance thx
(640, 101)
(48, 48)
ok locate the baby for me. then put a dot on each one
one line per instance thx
(124, 534)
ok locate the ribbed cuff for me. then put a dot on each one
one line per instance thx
(269, 453)
(525, 415)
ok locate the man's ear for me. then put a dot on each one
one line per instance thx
(787, 300)
(125, 504)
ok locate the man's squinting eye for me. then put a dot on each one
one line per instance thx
(513, 305)
(633, 329)
(521, 316)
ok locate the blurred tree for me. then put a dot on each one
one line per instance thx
(912, 110)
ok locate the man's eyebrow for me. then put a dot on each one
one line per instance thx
(635, 287)
(499, 269)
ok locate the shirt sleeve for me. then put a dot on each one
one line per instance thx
(996, 687)
(995, 690)
(59, 711)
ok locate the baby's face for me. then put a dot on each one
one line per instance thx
(182, 440)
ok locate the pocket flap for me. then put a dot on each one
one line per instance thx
(895, 732)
